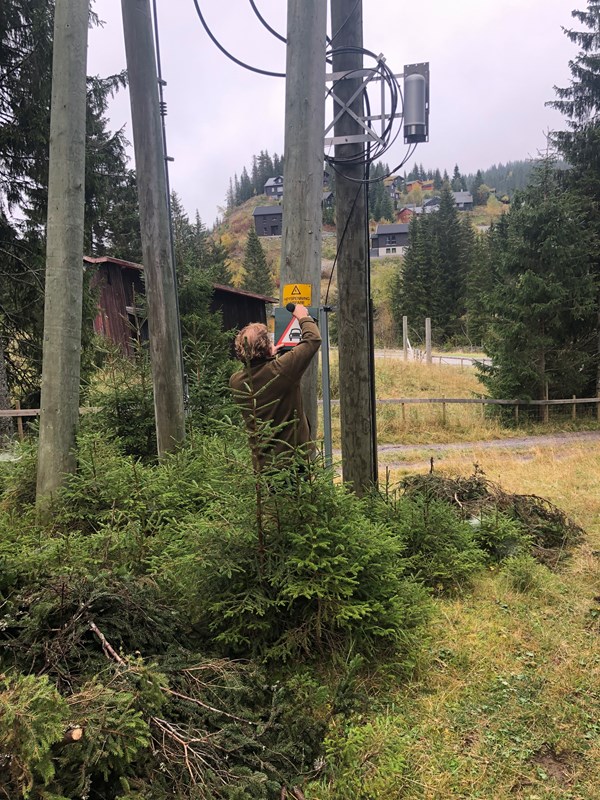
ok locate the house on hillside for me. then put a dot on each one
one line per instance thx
(120, 302)
(412, 185)
(463, 200)
(389, 240)
(268, 220)
(407, 212)
(274, 187)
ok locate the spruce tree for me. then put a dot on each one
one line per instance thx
(541, 302)
(580, 103)
(456, 180)
(257, 274)
(432, 282)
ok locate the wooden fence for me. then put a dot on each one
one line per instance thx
(488, 401)
(20, 413)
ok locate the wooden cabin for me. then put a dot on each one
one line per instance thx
(120, 286)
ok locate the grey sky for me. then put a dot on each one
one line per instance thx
(493, 65)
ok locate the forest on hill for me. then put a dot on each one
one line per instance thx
(503, 179)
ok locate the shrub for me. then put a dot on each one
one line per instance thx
(441, 548)
(310, 573)
(499, 536)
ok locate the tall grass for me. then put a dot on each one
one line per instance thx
(431, 424)
(508, 706)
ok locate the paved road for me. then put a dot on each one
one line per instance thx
(450, 361)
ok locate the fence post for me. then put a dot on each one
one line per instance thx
(443, 413)
(574, 409)
(19, 421)
(428, 340)
(546, 406)
(482, 407)
(516, 414)
(403, 414)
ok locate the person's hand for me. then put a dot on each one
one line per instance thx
(300, 311)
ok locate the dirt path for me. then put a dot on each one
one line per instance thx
(515, 443)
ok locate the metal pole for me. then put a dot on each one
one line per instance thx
(325, 377)
(405, 338)
(303, 159)
(163, 320)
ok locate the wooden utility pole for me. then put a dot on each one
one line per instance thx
(59, 405)
(163, 319)
(303, 159)
(428, 340)
(358, 435)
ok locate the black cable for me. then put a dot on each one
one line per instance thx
(341, 242)
(371, 335)
(168, 190)
(387, 76)
(266, 24)
(228, 54)
(344, 23)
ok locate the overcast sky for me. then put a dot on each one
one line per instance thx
(493, 65)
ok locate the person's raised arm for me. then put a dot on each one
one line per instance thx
(295, 362)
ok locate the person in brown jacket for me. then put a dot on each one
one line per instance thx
(268, 389)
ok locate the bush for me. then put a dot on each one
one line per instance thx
(441, 548)
(500, 536)
(309, 574)
(146, 580)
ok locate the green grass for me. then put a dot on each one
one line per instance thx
(506, 703)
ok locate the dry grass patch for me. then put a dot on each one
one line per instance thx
(507, 705)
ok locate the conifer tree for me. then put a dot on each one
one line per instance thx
(257, 274)
(432, 282)
(580, 103)
(456, 180)
(541, 302)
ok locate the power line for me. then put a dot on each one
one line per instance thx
(266, 24)
(228, 54)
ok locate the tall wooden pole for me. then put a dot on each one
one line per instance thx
(428, 340)
(163, 319)
(359, 455)
(59, 405)
(303, 159)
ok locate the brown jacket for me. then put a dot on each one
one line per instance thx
(268, 390)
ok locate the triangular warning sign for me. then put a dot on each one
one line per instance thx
(296, 290)
(291, 336)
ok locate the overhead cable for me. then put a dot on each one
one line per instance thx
(228, 54)
(266, 24)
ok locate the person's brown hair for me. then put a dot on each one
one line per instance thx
(253, 342)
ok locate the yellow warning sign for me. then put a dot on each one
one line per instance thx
(297, 293)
